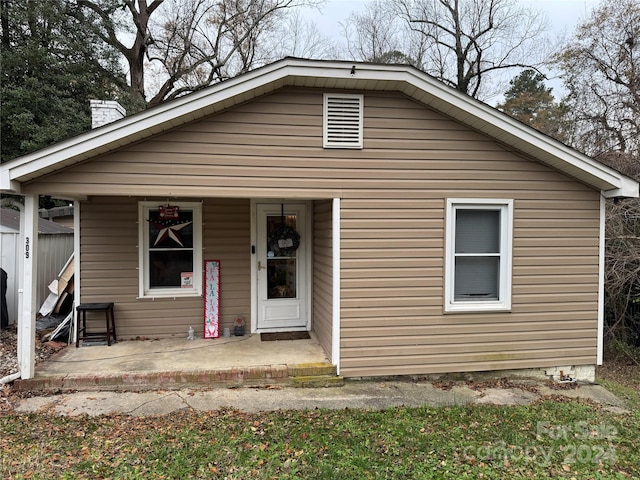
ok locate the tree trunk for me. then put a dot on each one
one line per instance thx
(4, 21)
(135, 55)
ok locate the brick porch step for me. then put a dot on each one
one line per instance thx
(321, 374)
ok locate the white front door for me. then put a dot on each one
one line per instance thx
(282, 270)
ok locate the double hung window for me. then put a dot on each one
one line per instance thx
(478, 259)
(170, 239)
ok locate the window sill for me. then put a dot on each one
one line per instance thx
(164, 294)
(470, 307)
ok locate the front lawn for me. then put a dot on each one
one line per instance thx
(553, 438)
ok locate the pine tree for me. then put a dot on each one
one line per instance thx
(51, 67)
(529, 100)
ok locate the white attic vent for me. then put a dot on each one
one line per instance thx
(343, 121)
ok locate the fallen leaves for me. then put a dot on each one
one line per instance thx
(394, 443)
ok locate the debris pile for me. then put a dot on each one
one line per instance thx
(52, 323)
(9, 347)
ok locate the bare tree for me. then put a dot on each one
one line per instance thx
(297, 36)
(600, 65)
(372, 33)
(378, 34)
(466, 41)
(187, 44)
(622, 271)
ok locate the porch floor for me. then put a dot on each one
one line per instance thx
(176, 363)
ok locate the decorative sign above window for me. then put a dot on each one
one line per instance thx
(169, 212)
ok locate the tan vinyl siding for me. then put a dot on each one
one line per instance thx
(323, 274)
(393, 323)
(109, 259)
(249, 152)
(393, 194)
(226, 234)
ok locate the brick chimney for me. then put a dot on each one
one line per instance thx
(105, 111)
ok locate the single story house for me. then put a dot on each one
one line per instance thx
(409, 228)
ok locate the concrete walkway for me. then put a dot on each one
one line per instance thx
(354, 394)
(158, 377)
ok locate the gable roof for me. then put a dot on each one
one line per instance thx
(319, 74)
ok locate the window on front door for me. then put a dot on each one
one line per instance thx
(282, 260)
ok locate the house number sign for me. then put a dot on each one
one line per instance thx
(26, 247)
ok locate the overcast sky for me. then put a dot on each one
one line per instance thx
(563, 17)
(563, 14)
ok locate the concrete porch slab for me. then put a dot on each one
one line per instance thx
(177, 363)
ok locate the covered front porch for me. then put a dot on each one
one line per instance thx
(112, 269)
(177, 363)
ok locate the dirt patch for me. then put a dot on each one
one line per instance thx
(478, 386)
(621, 370)
(9, 351)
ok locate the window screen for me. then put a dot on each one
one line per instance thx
(477, 255)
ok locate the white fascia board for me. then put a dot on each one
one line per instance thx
(628, 188)
(6, 184)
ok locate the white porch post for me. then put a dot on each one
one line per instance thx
(27, 318)
(600, 341)
(76, 273)
(335, 334)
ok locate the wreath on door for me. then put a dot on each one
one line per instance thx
(283, 241)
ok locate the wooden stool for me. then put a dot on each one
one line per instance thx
(82, 333)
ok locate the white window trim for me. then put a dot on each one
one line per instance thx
(506, 255)
(143, 253)
(327, 143)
